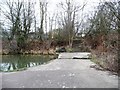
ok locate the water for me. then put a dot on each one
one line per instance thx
(21, 62)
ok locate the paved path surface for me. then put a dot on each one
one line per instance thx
(73, 55)
(61, 73)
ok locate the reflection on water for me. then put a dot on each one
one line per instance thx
(17, 62)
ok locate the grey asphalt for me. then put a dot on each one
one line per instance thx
(61, 73)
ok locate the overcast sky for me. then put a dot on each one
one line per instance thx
(52, 8)
(52, 4)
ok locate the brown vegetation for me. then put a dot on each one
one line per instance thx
(105, 50)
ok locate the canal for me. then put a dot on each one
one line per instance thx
(21, 62)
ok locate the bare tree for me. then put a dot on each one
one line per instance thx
(19, 18)
(35, 22)
(43, 15)
(69, 18)
(51, 27)
(27, 18)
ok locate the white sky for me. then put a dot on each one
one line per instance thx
(91, 4)
(52, 4)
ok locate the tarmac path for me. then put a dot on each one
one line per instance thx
(61, 73)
